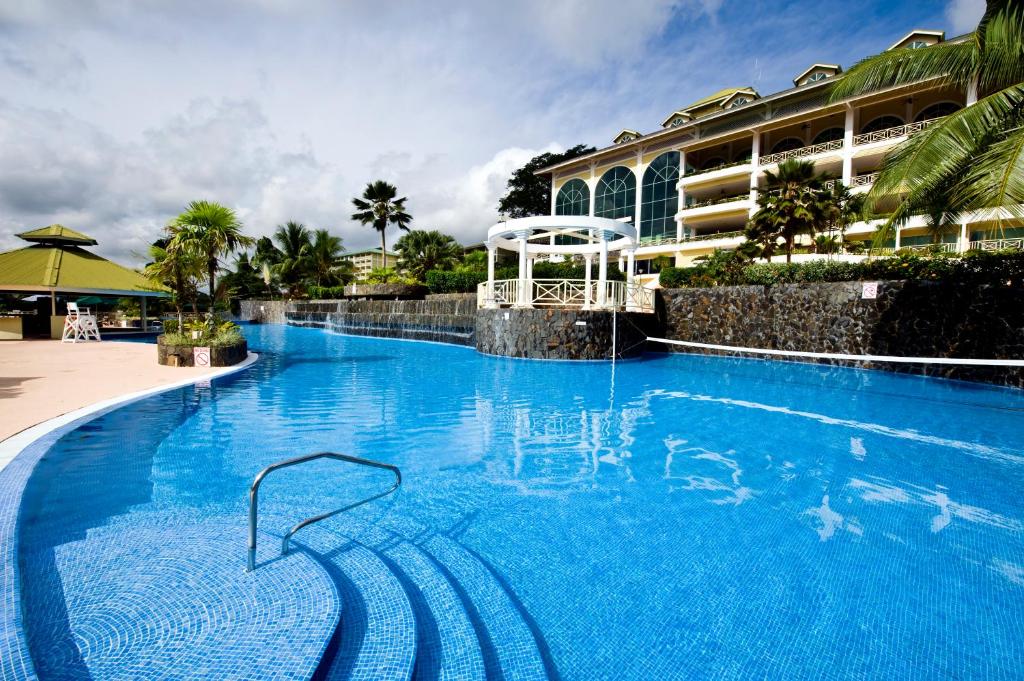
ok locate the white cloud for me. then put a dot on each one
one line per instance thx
(964, 15)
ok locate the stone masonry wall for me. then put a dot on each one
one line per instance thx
(908, 318)
(561, 334)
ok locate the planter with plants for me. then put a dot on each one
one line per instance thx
(226, 344)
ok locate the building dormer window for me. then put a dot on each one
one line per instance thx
(739, 101)
(916, 45)
(677, 121)
(816, 76)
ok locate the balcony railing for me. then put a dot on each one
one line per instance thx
(801, 152)
(657, 240)
(892, 133)
(944, 247)
(569, 294)
(734, 164)
(715, 235)
(997, 244)
(717, 200)
(863, 180)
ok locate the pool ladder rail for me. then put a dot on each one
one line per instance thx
(254, 491)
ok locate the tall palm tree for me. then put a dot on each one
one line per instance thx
(379, 208)
(791, 206)
(977, 153)
(212, 230)
(420, 251)
(293, 241)
(325, 265)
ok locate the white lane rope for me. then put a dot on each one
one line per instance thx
(959, 361)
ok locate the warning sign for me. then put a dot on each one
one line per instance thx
(201, 357)
(870, 290)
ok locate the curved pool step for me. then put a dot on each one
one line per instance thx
(509, 648)
(376, 639)
(447, 648)
(154, 593)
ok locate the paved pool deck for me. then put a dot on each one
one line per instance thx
(42, 379)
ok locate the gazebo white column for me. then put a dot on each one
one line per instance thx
(588, 292)
(602, 271)
(630, 277)
(492, 253)
(523, 297)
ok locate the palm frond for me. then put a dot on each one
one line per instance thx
(1002, 43)
(996, 177)
(953, 63)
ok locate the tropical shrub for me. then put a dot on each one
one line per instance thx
(454, 281)
(210, 331)
(326, 292)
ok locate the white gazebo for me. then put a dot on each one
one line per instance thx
(581, 237)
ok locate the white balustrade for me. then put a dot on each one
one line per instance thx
(801, 152)
(568, 293)
(897, 132)
(997, 244)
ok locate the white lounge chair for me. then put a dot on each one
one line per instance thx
(80, 325)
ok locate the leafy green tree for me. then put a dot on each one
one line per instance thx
(379, 208)
(325, 264)
(791, 206)
(976, 155)
(212, 230)
(177, 268)
(293, 246)
(529, 193)
(420, 251)
(244, 282)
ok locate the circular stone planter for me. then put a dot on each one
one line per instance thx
(184, 355)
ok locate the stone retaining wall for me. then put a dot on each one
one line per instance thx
(908, 318)
(444, 319)
(263, 311)
(561, 334)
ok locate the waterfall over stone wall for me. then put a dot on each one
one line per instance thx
(444, 319)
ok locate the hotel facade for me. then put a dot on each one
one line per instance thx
(690, 186)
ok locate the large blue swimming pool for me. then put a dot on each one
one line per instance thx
(671, 517)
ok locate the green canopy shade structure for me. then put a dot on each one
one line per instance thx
(56, 263)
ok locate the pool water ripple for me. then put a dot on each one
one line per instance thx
(674, 517)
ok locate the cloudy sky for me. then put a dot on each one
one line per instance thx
(116, 113)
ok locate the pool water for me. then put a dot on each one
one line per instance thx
(670, 517)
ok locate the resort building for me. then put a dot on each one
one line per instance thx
(369, 259)
(690, 186)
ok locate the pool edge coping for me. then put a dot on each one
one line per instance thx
(14, 652)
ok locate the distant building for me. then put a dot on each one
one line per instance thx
(369, 259)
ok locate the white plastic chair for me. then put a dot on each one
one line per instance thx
(79, 325)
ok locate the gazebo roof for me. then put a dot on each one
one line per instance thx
(69, 269)
(58, 234)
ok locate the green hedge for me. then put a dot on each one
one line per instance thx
(326, 292)
(729, 269)
(454, 281)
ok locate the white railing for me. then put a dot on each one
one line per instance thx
(801, 152)
(997, 244)
(863, 180)
(892, 133)
(944, 247)
(568, 293)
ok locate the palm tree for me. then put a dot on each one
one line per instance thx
(173, 265)
(379, 208)
(293, 241)
(211, 230)
(420, 251)
(791, 206)
(975, 155)
(325, 265)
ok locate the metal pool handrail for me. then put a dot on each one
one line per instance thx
(254, 491)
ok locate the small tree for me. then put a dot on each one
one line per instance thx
(420, 251)
(174, 266)
(293, 245)
(790, 207)
(379, 208)
(211, 230)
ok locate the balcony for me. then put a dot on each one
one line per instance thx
(802, 152)
(716, 205)
(705, 240)
(727, 170)
(567, 294)
(897, 134)
(997, 244)
(865, 180)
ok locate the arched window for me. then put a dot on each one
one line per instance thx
(739, 101)
(573, 199)
(828, 135)
(616, 194)
(917, 45)
(659, 198)
(787, 144)
(937, 111)
(713, 163)
(882, 123)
